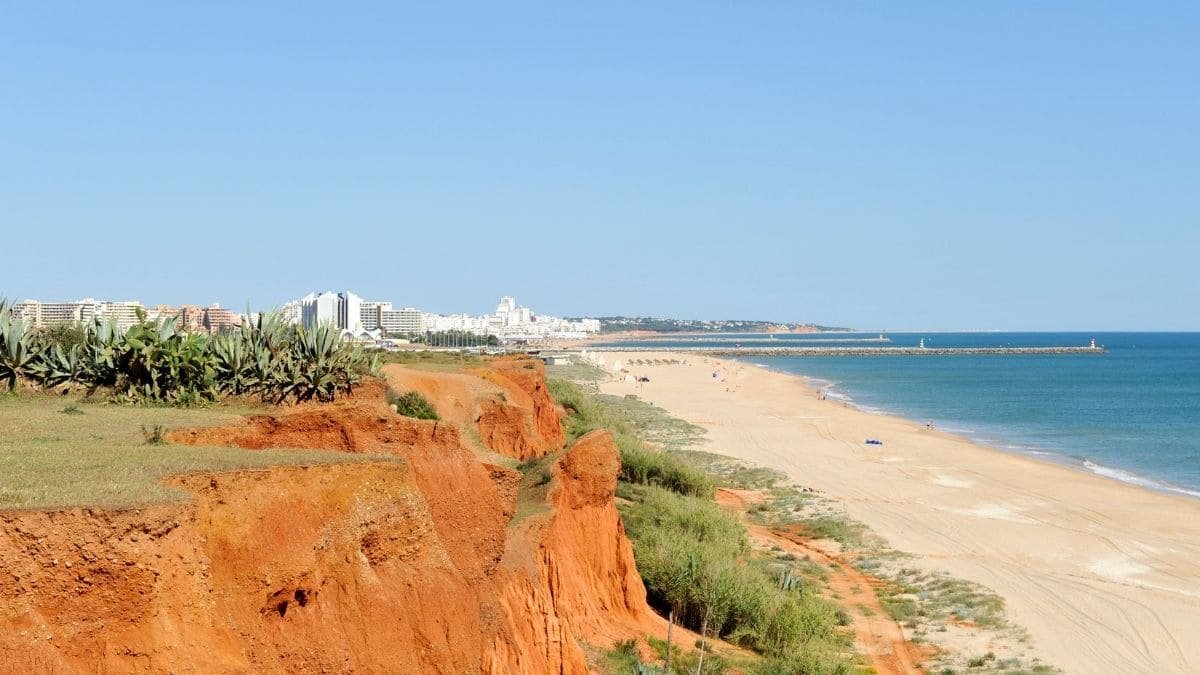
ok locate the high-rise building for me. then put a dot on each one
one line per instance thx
(320, 309)
(57, 313)
(217, 319)
(369, 313)
(191, 318)
(401, 321)
(124, 313)
(340, 310)
(349, 312)
(40, 314)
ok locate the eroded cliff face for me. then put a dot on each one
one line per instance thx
(569, 575)
(408, 563)
(334, 568)
(507, 404)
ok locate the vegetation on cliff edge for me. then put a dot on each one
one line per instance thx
(694, 556)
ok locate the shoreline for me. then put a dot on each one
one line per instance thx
(1102, 572)
(1054, 457)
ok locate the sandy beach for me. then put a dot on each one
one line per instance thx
(1104, 575)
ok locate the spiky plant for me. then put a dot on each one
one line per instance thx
(16, 347)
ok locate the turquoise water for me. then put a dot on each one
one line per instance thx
(1132, 413)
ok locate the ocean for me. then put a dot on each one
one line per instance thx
(1131, 413)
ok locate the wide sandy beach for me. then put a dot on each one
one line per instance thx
(1105, 575)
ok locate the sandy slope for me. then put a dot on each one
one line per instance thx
(1106, 576)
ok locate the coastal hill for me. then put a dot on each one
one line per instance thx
(626, 324)
(422, 551)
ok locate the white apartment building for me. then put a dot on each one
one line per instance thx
(125, 313)
(317, 309)
(292, 312)
(350, 312)
(369, 313)
(340, 310)
(353, 314)
(401, 321)
(42, 314)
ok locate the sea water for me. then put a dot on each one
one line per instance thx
(1131, 413)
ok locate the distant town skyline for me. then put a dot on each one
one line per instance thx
(916, 165)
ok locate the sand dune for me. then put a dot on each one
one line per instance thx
(1105, 575)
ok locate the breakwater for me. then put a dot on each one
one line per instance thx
(755, 340)
(859, 351)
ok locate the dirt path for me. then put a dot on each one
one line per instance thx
(875, 634)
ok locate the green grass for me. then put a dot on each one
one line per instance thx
(627, 422)
(623, 657)
(101, 457)
(577, 372)
(429, 358)
(945, 598)
(694, 556)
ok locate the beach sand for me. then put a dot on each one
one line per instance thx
(1104, 575)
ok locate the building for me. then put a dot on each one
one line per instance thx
(349, 312)
(42, 314)
(190, 318)
(402, 321)
(369, 313)
(340, 310)
(510, 321)
(292, 311)
(217, 319)
(124, 313)
(316, 310)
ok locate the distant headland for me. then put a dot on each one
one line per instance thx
(634, 324)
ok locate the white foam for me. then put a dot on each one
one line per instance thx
(1134, 479)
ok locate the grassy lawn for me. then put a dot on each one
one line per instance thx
(58, 452)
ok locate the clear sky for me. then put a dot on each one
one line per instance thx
(1011, 165)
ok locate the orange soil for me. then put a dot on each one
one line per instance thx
(507, 403)
(389, 566)
(875, 634)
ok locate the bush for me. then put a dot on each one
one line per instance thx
(155, 435)
(692, 554)
(639, 464)
(413, 404)
(695, 557)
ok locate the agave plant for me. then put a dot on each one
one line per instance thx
(154, 361)
(16, 347)
(58, 367)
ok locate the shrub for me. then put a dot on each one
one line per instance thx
(155, 435)
(692, 554)
(639, 464)
(414, 404)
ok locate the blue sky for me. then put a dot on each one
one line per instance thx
(923, 165)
